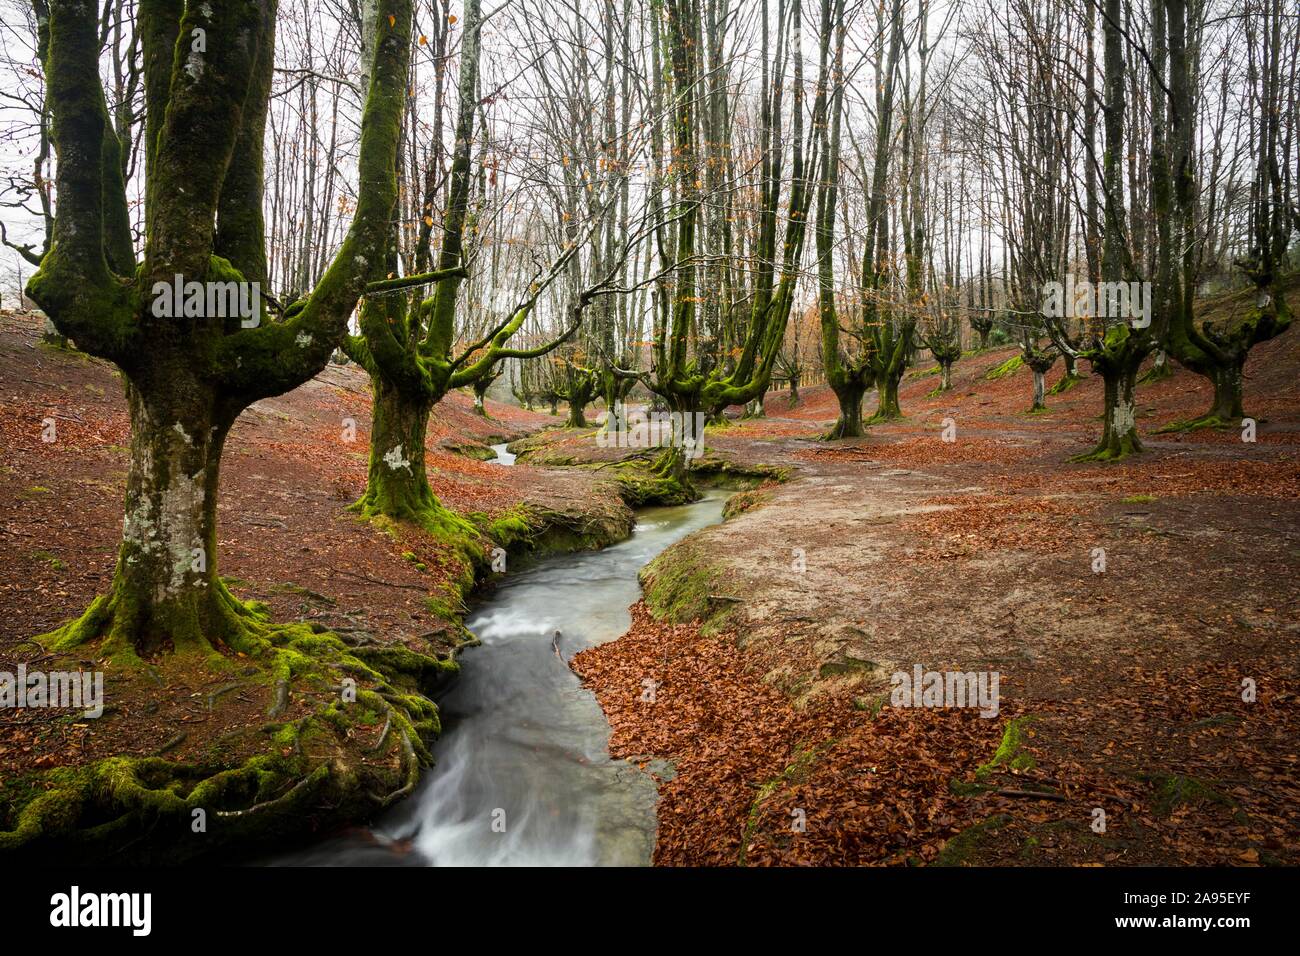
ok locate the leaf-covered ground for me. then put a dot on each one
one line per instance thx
(285, 538)
(1121, 691)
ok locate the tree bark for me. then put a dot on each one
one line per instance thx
(887, 407)
(1228, 405)
(165, 594)
(849, 394)
(480, 396)
(397, 482)
(1119, 437)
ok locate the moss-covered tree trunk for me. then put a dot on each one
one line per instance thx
(945, 375)
(1119, 437)
(188, 376)
(397, 482)
(614, 391)
(581, 388)
(849, 393)
(480, 396)
(1160, 368)
(1228, 407)
(887, 407)
(165, 593)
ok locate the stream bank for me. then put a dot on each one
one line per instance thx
(199, 757)
(522, 774)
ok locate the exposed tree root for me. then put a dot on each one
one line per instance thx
(1211, 420)
(1111, 451)
(148, 808)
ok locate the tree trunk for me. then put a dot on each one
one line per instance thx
(480, 397)
(577, 413)
(1040, 391)
(887, 408)
(1228, 407)
(397, 484)
(945, 376)
(615, 416)
(1160, 368)
(1119, 432)
(51, 336)
(165, 593)
(849, 395)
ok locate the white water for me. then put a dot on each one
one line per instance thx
(522, 773)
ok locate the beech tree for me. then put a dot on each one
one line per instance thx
(188, 375)
(410, 345)
(713, 377)
(1216, 350)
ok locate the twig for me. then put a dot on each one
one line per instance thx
(391, 584)
(1032, 794)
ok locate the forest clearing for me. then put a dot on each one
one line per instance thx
(689, 433)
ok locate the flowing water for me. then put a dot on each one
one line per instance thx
(503, 457)
(522, 773)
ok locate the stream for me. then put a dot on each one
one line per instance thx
(522, 773)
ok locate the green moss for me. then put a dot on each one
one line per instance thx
(1009, 367)
(960, 849)
(641, 483)
(849, 665)
(872, 705)
(144, 805)
(720, 473)
(512, 527)
(50, 559)
(1139, 499)
(1175, 790)
(795, 773)
(1196, 424)
(681, 586)
(474, 450)
(1064, 384)
(743, 501)
(1010, 753)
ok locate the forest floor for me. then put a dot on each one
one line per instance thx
(772, 636)
(285, 536)
(1125, 693)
